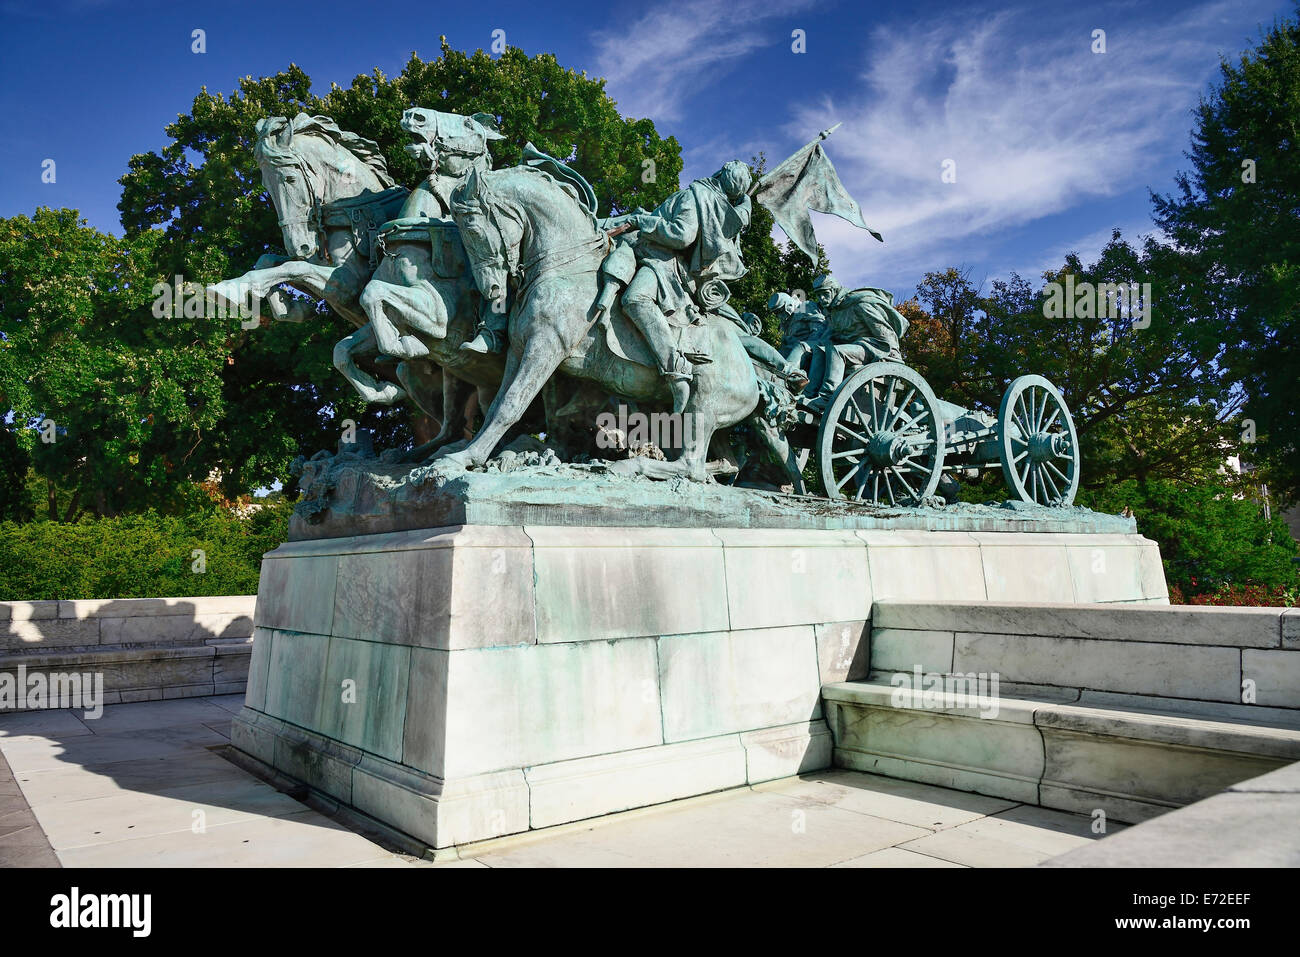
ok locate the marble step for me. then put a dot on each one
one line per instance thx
(1128, 757)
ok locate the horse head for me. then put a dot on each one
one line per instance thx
(491, 231)
(307, 163)
(450, 143)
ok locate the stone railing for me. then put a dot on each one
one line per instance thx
(142, 648)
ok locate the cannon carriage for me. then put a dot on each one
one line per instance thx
(886, 438)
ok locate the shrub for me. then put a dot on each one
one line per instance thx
(143, 555)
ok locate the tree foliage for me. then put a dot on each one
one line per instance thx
(1148, 401)
(1234, 219)
(111, 405)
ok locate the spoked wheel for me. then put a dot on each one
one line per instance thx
(881, 439)
(1038, 444)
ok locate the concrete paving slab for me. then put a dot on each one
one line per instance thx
(908, 802)
(21, 723)
(752, 829)
(131, 815)
(234, 703)
(1038, 829)
(72, 783)
(36, 752)
(974, 850)
(156, 714)
(306, 839)
(896, 857)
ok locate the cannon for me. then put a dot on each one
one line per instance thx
(885, 437)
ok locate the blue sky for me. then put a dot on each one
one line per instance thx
(1053, 145)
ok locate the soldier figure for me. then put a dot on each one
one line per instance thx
(864, 327)
(692, 238)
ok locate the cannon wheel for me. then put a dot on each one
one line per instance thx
(881, 439)
(1037, 442)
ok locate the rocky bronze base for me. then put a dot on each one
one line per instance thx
(352, 494)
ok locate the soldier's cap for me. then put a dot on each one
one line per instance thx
(822, 280)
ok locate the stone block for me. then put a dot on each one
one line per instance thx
(28, 610)
(774, 753)
(924, 565)
(794, 577)
(1025, 566)
(949, 747)
(601, 583)
(1130, 667)
(441, 813)
(1152, 572)
(324, 764)
(1291, 629)
(897, 649)
(296, 677)
(363, 701)
(738, 681)
(1099, 768)
(843, 650)
(1276, 674)
(529, 705)
(1108, 568)
(608, 783)
(230, 666)
(259, 666)
(296, 591)
(1240, 627)
(173, 629)
(38, 634)
(461, 587)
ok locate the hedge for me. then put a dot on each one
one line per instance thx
(144, 555)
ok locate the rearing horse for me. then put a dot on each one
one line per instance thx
(526, 231)
(331, 190)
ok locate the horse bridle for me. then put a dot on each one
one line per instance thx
(315, 212)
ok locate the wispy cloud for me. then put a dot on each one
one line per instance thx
(1034, 121)
(654, 64)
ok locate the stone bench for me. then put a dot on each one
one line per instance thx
(143, 648)
(1132, 710)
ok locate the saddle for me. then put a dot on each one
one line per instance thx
(363, 215)
(625, 340)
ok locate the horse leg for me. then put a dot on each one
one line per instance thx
(455, 395)
(776, 443)
(362, 342)
(343, 286)
(387, 303)
(420, 379)
(530, 363)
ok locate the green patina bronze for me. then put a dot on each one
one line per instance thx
(506, 284)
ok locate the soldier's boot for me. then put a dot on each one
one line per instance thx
(674, 366)
(491, 335)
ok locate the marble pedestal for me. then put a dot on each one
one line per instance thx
(473, 681)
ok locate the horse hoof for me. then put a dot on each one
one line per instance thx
(454, 460)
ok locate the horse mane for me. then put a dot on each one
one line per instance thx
(275, 138)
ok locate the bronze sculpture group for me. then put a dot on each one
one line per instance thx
(509, 284)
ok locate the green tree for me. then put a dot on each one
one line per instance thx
(14, 466)
(1148, 400)
(1210, 534)
(1233, 220)
(120, 400)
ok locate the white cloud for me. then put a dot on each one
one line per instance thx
(652, 65)
(1036, 123)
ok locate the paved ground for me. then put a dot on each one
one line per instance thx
(145, 785)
